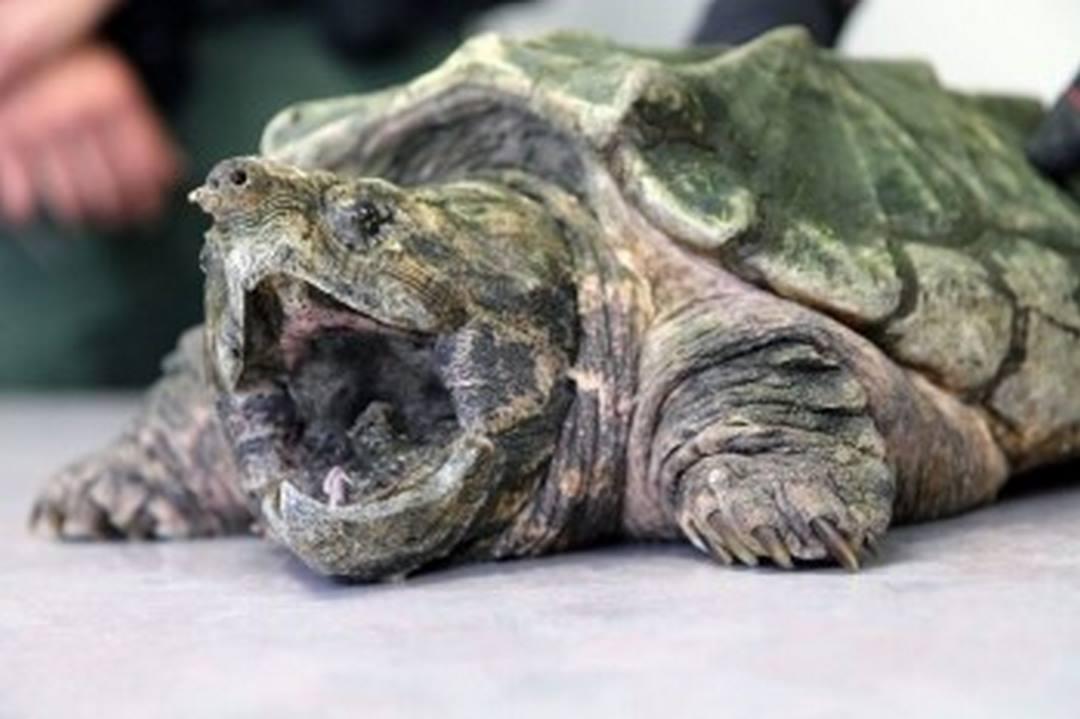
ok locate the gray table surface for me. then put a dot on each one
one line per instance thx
(978, 616)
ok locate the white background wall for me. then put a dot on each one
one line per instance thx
(1019, 46)
(1015, 46)
(641, 22)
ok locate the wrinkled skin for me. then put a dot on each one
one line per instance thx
(390, 363)
(578, 308)
(378, 418)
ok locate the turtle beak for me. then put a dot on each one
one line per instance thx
(206, 198)
(243, 194)
(225, 317)
(389, 536)
(238, 185)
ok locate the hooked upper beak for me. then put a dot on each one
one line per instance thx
(207, 199)
(229, 184)
(243, 185)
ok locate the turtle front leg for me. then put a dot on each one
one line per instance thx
(754, 439)
(780, 493)
(766, 430)
(170, 475)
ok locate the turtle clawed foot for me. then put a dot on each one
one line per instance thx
(110, 495)
(725, 545)
(786, 517)
(93, 500)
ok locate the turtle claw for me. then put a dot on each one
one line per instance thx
(835, 543)
(45, 520)
(732, 542)
(723, 543)
(771, 542)
(873, 545)
(786, 509)
(708, 543)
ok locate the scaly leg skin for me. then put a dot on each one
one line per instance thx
(170, 475)
(781, 506)
(754, 438)
(768, 431)
(789, 463)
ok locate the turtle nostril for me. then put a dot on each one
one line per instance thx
(238, 177)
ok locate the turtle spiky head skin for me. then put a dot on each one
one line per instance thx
(389, 360)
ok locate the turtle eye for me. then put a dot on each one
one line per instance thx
(370, 217)
(358, 223)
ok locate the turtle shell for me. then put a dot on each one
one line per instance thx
(861, 188)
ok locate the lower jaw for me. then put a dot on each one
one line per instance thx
(424, 519)
(274, 446)
(419, 518)
(411, 491)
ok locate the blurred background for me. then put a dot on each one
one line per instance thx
(110, 110)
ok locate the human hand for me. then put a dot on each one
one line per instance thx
(79, 139)
(32, 31)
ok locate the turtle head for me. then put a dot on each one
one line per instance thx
(390, 362)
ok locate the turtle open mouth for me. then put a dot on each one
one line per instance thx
(348, 407)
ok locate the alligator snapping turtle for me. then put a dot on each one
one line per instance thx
(763, 298)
